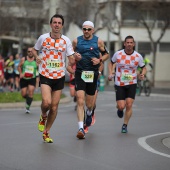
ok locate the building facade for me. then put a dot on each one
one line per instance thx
(22, 21)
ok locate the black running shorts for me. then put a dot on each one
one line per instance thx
(123, 92)
(55, 84)
(26, 82)
(89, 88)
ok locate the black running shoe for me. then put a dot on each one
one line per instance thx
(124, 128)
(120, 113)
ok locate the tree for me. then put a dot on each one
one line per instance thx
(22, 20)
(150, 14)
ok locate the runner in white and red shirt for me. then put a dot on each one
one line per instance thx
(53, 49)
(126, 62)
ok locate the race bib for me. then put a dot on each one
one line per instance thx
(29, 71)
(53, 64)
(87, 76)
(126, 77)
(10, 70)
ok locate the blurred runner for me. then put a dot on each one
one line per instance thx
(27, 70)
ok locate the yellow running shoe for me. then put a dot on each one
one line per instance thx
(46, 138)
(41, 123)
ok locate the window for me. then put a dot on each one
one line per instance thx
(144, 47)
(164, 47)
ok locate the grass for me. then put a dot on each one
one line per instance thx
(8, 97)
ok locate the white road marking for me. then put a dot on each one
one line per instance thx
(142, 143)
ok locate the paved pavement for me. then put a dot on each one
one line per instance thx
(154, 92)
(102, 159)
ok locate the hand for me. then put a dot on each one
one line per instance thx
(142, 76)
(38, 60)
(95, 61)
(77, 56)
(21, 76)
(110, 77)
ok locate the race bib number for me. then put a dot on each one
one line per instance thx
(10, 70)
(87, 76)
(29, 71)
(53, 64)
(126, 77)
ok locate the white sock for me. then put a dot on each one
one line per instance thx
(89, 112)
(80, 124)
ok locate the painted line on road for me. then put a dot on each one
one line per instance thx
(142, 143)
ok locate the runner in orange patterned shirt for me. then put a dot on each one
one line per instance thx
(126, 62)
(54, 48)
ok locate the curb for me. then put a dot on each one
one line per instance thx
(34, 103)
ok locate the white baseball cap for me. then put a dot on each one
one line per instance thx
(89, 23)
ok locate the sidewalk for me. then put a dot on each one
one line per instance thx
(34, 104)
(154, 90)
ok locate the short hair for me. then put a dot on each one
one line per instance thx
(57, 16)
(129, 37)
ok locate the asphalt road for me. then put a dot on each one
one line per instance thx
(105, 148)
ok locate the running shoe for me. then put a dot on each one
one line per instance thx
(120, 113)
(41, 123)
(124, 128)
(93, 119)
(86, 129)
(27, 106)
(81, 134)
(27, 111)
(46, 138)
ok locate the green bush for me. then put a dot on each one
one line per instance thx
(8, 97)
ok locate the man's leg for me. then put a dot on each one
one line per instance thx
(53, 109)
(80, 94)
(29, 97)
(45, 106)
(128, 112)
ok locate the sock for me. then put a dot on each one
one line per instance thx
(80, 124)
(28, 101)
(125, 125)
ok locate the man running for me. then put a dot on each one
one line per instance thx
(27, 71)
(89, 47)
(126, 62)
(54, 48)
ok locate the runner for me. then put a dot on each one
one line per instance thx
(27, 71)
(9, 72)
(16, 72)
(126, 62)
(54, 48)
(89, 47)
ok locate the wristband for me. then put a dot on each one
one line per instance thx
(100, 72)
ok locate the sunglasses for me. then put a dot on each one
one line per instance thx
(87, 29)
(28, 51)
